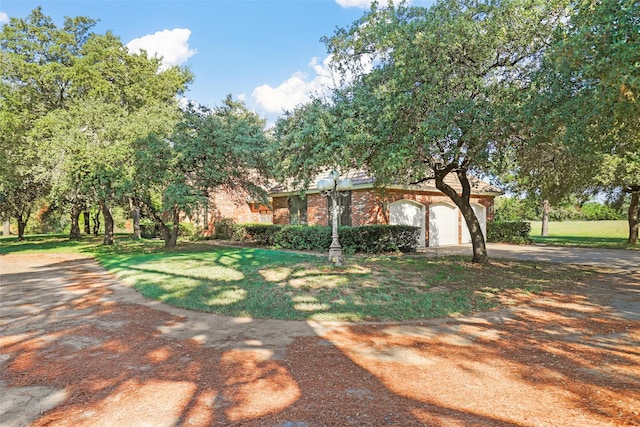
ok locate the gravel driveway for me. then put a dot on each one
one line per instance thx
(78, 348)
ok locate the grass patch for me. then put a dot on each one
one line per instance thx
(91, 245)
(264, 283)
(588, 234)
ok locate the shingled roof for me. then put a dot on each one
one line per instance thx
(362, 180)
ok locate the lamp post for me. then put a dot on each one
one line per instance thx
(334, 187)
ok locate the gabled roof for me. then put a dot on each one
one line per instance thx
(362, 180)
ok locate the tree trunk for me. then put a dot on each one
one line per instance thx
(22, 218)
(108, 223)
(6, 228)
(546, 208)
(135, 215)
(96, 222)
(173, 236)
(87, 223)
(22, 224)
(634, 208)
(169, 235)
(463, 202)
(74, 234)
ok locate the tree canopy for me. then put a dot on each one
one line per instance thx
(80, 100)
(429, 92)
(585, 98)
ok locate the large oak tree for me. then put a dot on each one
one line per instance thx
(428, 92)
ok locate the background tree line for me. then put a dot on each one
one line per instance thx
(88, 126)
(523, 209)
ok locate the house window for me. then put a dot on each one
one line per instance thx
(344, 201)
(297, 210)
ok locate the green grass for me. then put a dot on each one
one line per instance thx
(264, 283)
(594, 234)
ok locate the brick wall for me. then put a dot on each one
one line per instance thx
(317, 209)
(280, 210)
(227, 204)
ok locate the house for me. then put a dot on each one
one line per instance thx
(422, 206)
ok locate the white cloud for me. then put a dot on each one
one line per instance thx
(296, 90)
(4, 18)
(171, 45)
(364, 4)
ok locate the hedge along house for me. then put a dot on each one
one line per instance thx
(422, 206)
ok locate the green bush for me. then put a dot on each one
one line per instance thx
(379, 238)
(261, 233)
(149, 229)
(508, 231)
(593, 211)
(302, 237)
(369, 239)
(227, 229)
(190, 231)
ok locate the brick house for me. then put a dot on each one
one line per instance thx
(423, 206)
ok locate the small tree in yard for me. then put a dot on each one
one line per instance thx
(222, 148)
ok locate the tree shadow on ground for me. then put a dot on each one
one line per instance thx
(121, 360)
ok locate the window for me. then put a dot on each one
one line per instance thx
(297, 210)
(344, 201)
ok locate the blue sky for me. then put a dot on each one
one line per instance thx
(265, 52)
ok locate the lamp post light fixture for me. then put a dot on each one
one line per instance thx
(334, 187)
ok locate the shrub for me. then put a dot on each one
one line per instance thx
(380, 238)
(370, 238)
(302, 237)
(227, 229)
(592, 211)
(261, 233)
(149, 229)
(190, 230)
(508, 231)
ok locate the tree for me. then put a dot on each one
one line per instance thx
(548, 172)
(428, 91)
(623, 174)
(84, 98)
(223, 148)
(35, 58)
(588, 86)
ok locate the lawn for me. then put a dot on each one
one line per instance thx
(601, 234)
(263, 283)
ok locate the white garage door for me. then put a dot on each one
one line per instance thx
(443, 224)
(408, 212)
(481, 213)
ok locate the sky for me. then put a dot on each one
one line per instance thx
(267, 53)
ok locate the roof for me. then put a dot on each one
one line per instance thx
(362, 180)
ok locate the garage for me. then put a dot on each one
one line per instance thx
(408, 212)
(443, 224)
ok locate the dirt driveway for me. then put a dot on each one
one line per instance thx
(78, 348)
